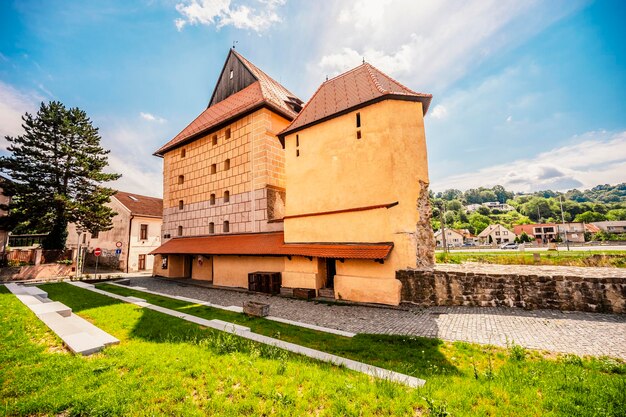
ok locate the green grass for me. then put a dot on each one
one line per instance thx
(168, 366)
(616, 259)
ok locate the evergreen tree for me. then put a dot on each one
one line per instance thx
(56, 171)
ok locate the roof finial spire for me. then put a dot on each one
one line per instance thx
(235, 43)
(326, 77)
(364, 60)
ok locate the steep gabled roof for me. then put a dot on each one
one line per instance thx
(356, 88)
(140, 205)
(262, 90)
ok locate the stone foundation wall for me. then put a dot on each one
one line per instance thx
(573, 293)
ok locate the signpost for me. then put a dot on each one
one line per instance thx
(97, 252)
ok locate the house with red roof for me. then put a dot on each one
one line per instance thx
(135, 233)
(331, 195)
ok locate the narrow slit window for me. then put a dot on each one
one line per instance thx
(180, 230)
(213, 168)
(181, 204)
(226, 196)
(212, 199)
(227, 165)
(232, 73)
(358, 134)
(183, 153)
(181, 179)
(226, 227)
(211, 228)
(358, 120)
(297, 140)
(227, 134)
(297, 152)
(214, 140)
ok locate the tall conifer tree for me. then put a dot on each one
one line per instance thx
(56, 171)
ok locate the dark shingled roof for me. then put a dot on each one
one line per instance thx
(264, 92)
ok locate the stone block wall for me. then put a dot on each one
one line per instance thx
(570, 293)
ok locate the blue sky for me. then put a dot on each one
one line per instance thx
(528, 94)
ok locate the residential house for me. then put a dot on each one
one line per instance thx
(5, 200)
(617, 226)
(453, 238)
(543, 233)
(572, 232)
(496, 233)
(496, 205)
(136, 232)
(259, 183)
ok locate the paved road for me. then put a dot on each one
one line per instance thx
(556, 331)
(541, 249)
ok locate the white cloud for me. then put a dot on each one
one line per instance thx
(13, 105)
(595, 158)
(151, 118)
(439, 112)
(429, 44)
(220, 13)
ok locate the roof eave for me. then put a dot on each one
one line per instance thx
(161, 151)
(424, 99)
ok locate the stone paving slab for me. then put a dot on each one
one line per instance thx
(53, 307)
(579, 333)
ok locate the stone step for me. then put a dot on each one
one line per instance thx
(53, 307)
(326, 292)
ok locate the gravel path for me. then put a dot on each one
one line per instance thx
(566, 332)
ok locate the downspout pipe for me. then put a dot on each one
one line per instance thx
(130, 229)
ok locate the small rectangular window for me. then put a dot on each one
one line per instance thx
(181, 179)
(226, 227)
(180, 230)
(232, 73)
(214, 140)
(227, 134)
(227, 165)
(183, 153)
(181, 204)
(211, 228)
(143, 233)
(212, 199)
(213, 168)
(358, 134)
(358, 120)
(226, 196)
(297, 152)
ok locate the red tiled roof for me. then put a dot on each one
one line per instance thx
(270, 244)
(350, 90)
(264, 91)
(140, 205)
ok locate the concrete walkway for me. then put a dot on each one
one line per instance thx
(245, 332)
(564, 332)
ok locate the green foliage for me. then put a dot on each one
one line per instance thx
(616, 214)
(524, 238)
(56, 168)
(589, 217)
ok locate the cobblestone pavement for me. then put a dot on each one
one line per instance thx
(570, 271)
(566, 332)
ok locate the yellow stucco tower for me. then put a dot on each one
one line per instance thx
(331, 197)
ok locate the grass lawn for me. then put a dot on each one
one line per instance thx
(616, 259)
(168, 366)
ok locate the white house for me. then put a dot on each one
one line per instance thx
(496, 233)
(453, 237)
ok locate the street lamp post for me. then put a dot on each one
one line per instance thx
(79, 231)
(563, 221)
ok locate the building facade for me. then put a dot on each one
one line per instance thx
(333, 195)
(496, 234)
(135, 233)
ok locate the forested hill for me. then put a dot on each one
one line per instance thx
(602, 202)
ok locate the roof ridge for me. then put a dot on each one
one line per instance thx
(374, 79)
(256, 71)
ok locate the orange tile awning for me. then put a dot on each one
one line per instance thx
(270, 244)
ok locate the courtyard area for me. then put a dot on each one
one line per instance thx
(555, 331)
